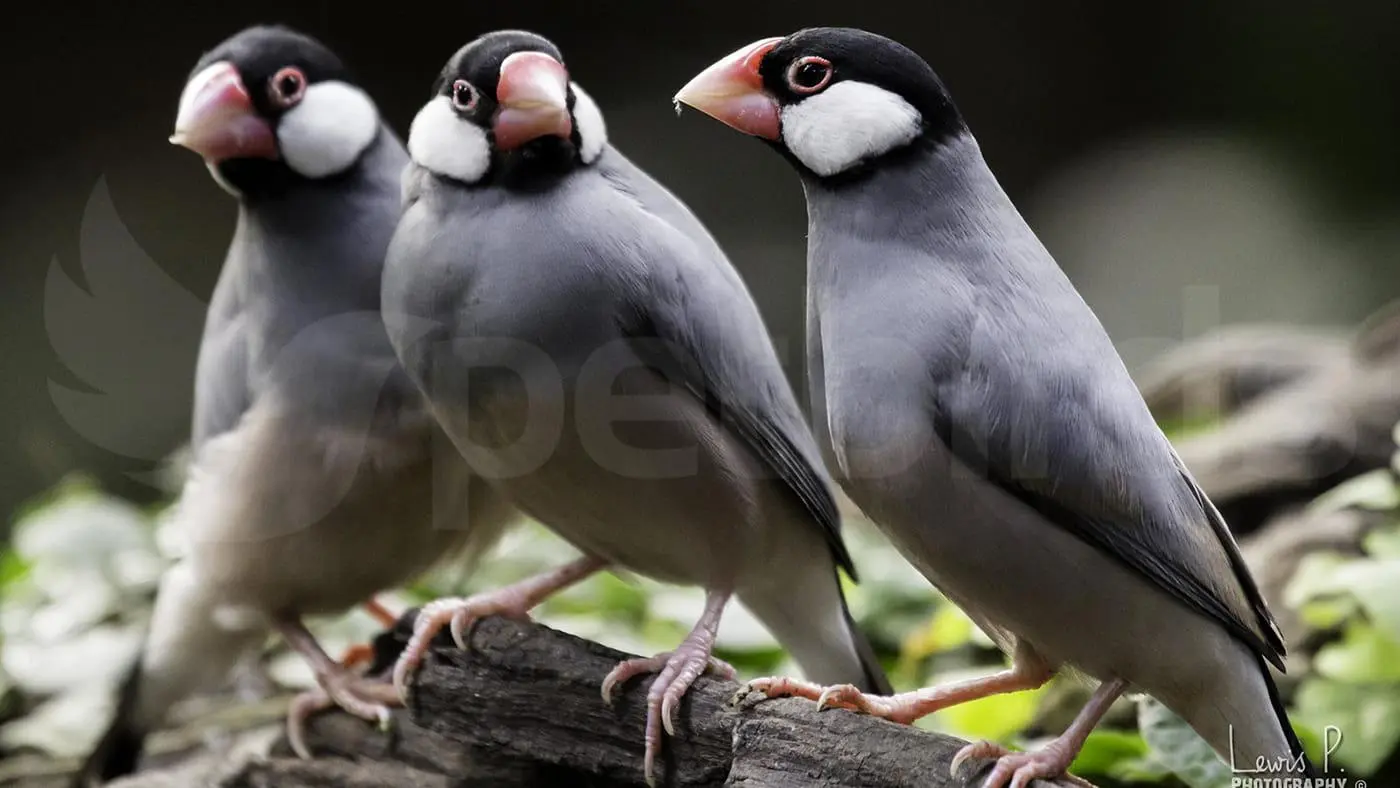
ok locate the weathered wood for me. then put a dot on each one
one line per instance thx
(523, 708)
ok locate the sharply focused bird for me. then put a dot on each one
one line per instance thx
(593, 353)
(319, 477)
(978, 412)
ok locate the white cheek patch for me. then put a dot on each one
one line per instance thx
(846, 124)
(328, 130)
(447, 145)
(588, 120)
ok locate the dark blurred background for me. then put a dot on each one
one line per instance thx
(1190, 164)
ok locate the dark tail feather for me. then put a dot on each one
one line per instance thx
(876, 682)
(1294, 744)
(120, 748)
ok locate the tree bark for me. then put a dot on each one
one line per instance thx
(523, 708)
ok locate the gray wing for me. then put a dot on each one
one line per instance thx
(713, 341)
(222, 392)
(1062, 427)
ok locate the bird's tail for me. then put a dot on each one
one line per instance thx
(185, 650)
(119, 750)
(875, 679)
(807, 612)
(1295, 745)
(1241, 715)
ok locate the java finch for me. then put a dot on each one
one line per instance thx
(314, 484)
(623, 388)
(979, 413)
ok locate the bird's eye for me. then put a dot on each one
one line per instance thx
(809, 74)
(287, 87)
(464, 96)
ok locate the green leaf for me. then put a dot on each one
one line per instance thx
(1375, 490)
(1383, 543)
(1325, 614)
(1363, 655)
(948, 628)
(1147, 769)
(995, 718)
(1179, 748)
(1105, 749)
(1368, 720)
(1201, 421)
(1376, 585)
(605, 595)
(1313, 578)
(12, 567)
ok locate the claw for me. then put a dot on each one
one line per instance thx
(667, 707)
(303, 706)
(461, 628)
(981, 749)
(460, 615)
(675, 672)
(365, 698)
(1020, 768)
(826, 696)
(625, 671)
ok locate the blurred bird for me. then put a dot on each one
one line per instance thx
(978, 412)
(316, 480)
(543, 290)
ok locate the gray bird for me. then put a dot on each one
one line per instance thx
(314, 482)
(978, 412)
(593, 353)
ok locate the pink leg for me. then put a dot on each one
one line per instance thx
(514, 600)
(1052, 760)
(677, 671)
(1027, 671)
(363, 697)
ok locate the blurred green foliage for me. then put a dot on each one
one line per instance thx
(78, 579)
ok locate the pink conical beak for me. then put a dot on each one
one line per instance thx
(533, 91)
(731, 91)
(216, 118)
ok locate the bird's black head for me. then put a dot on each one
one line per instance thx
(832, 99)
(270, 107)
(504, 109)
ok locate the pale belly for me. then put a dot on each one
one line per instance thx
(282, 520)
(656, 487)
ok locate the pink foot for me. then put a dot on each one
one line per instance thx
(906, 707)
(1048, 763)
(676, 670)
(366, 698)
(513, 601)
(903, 708)
(459, 615)
(779, 687)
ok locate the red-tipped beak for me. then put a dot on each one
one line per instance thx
(216, 118)
(731, 92)
(533, 92)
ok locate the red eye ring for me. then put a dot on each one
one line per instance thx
(287, 87)
(461, 87)
(798, 65)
